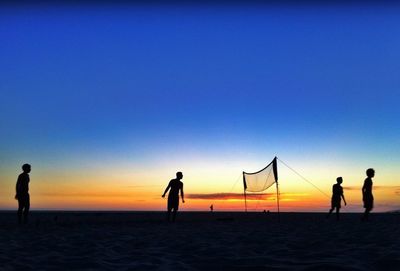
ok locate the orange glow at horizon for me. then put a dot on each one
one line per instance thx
(142, 190)
(121, 200)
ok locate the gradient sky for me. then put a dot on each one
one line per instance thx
(108, 101)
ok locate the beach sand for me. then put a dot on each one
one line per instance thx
(198, 241)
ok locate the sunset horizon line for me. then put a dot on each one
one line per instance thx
(187, 211)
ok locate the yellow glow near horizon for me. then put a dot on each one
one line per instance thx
(124, 189)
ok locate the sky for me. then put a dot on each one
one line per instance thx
(108, 101)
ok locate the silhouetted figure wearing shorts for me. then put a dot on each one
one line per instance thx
(337, 195)
(173, 197)
(22, 194)
(368, 198)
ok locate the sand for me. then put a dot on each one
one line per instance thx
(198, 241)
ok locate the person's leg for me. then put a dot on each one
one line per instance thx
(367, 211)
(19, 212)
(168, 214)
(174, 215)
(175, 207)
(330, 211)
(337, 213)
(26, 209)
(365, 216)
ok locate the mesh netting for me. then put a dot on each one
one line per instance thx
(261, 180)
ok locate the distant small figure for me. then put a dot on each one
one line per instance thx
(337, 195)
(368, 198)
(211, 208)
(22, 194)
(173, 197)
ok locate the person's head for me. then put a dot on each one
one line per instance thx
(26, 168)
(179, 175)
(370, 172)
(339, 180)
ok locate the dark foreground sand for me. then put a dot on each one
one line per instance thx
(199, 241)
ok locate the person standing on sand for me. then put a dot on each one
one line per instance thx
(173, 197)
(368, 198)
(22, 193)
(337, 195)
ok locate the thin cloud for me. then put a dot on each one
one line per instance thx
(230, 196)
(86, 194)
(142, 186)
(390, 187)
(375, 187)
(351, 188)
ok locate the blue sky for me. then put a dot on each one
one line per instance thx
(120, 83)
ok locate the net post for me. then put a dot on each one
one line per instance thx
(245, 201)
(244, 193)
(277, 201)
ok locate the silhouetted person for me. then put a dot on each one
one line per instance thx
(173, 197)
(22, 193)
(212, 208)
(368, 198)
(337, 195)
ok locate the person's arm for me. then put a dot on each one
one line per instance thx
(183, 200)
(342, 195)
(17, 187)
(166, 189)
(364, 189)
